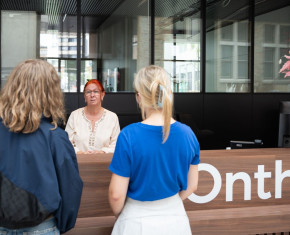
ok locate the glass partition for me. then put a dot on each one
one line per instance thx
(177, 42)
(227, 46)
(19, 39)
(272, 47)
(88, 71)
(120, 45)
(46, 31)
(114, 41)
(58, 41)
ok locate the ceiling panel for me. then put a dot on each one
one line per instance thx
(88, 7)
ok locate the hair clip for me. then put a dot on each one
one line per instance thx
(160, 100)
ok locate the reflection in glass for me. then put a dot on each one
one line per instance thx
(120, 45)
(88, 72)
(177, 43)
(67, 72)
(269, 35)
(114, 42)
(272, 45)
(243, 32)
(269, 54)
(186, 77)
(243, 62)
(46, 30)
(89, 44)
(58, 43)
(68, 75)
(226, 61)
(227, 46)
(227, 32)
(284, 34)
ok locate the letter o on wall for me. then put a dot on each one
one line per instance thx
(216, 187)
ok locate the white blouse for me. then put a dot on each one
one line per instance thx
(103, 137)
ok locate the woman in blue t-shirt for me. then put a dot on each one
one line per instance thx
(155, 164)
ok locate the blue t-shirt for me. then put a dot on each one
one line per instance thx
(156, 170)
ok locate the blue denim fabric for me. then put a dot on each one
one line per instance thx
(48, 227)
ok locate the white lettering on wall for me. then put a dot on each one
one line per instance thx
(231, 178)
(216, 187)
(261, 175)
(279, 176)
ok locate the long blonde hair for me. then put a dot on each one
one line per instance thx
(153, 84)
(32, 90)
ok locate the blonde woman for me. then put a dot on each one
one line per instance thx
(155, 164)
(40, 183)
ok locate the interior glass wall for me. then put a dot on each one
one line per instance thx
(227, 46)
(272, 47)
(177, 42)
(123, 42)
(58, 45)
(45, 30)
(19, 39)
(113, 40)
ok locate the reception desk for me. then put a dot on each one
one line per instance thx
(245, 191)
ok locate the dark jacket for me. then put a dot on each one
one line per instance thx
(38, 177)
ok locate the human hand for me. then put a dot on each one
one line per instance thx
(85, 152)
(98, 151)
(91, 152)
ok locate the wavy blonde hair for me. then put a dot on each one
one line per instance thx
(153, 84)
(32, 90)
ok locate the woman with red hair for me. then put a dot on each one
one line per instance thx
(93, 129)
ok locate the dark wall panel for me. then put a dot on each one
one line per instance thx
(190, 104)
(121, 103)
(215, 118)
(118, 103)
(266, 117)
(229, 117)
(125, 106)
(189, 110)
(71, 102)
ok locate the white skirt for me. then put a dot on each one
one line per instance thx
(162, 217)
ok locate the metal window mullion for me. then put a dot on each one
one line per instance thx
(252, 43)
(203, 47)
(78, 45)
(152, 40)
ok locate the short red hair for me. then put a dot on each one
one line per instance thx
(96, 82)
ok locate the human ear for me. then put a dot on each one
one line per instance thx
(138, 97)
(102, 95)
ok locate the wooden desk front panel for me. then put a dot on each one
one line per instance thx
(229, 162)
(96, 176)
